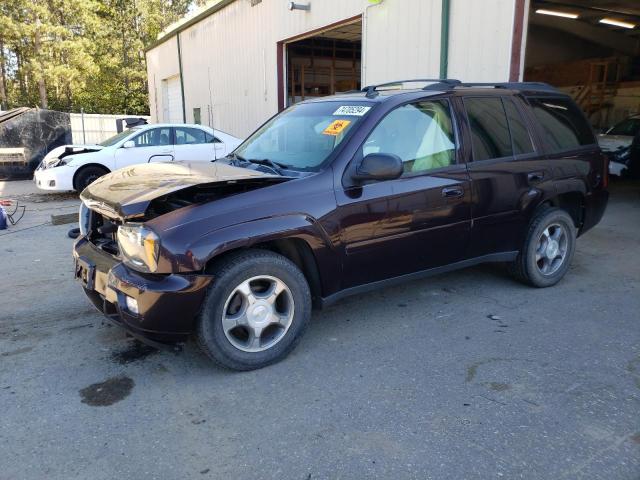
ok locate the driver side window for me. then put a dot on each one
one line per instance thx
(154, 137)
(420, 133)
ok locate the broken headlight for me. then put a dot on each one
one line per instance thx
(83, 219)
(53, 162)
(139, 247)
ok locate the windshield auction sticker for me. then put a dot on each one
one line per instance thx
(336, 127)
(352, 110)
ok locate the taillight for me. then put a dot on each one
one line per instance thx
(605, 173)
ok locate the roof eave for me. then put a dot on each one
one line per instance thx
(218, 5)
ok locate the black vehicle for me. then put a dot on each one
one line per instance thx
(336, 196)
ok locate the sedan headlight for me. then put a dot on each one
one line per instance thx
(52, 163)
(139, 247)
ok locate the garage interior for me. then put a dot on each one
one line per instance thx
(589, 49)
(325, 63)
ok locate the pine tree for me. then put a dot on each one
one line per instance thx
(72, 54)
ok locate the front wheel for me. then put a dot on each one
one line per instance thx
(255, 311)
(548, 249)
(87, 175)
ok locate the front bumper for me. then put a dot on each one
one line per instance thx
(167, 304)
(54, 179)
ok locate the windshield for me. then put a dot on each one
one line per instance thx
(303, 136)
(116, 138)
(628, 127)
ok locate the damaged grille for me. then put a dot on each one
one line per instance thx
(103, 233)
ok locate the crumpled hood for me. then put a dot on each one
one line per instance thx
(127, 193)
(66, 150)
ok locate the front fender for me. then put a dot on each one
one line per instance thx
(247, 234)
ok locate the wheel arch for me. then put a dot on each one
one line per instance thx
(296, 237)
(573, 203)
(84, 167)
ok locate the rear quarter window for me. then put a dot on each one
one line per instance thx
(563, 125)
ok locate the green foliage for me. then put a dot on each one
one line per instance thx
(73, 54)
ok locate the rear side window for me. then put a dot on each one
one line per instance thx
(519, 134)
(189, 136)
(489, 128)
(211, 139)
(562, 123)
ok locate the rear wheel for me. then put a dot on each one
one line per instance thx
(87, 175)
(548, 248)
(255, 311)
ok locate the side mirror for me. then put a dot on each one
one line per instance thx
(378, 166)
(129, 144)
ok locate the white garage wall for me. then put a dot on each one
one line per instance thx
(233, 53)
(480, 34)
(402, 41)
(229, 58)
(162, 64)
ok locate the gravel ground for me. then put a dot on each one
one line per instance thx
(467, 375)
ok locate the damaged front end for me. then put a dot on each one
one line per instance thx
(145, 191)
(62, 155)
(121, 262)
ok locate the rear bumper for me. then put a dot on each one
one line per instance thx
(167, 304)
(594, 206)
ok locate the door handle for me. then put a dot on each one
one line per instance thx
(452, 192)
(535, 177)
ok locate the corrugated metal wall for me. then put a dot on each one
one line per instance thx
(480, 39)
(229, 58)
(97, 127)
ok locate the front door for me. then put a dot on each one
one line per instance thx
(152, 145)
(418, 221)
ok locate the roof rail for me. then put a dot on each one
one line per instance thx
(442, 82)
(539, 86)
(449, 83)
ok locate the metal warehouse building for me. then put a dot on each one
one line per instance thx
(234, 63)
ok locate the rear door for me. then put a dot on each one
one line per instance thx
(506, 167)
(193, 144)
(151, 145)
(418, 221)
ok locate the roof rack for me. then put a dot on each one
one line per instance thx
(538, 86)
(441, 82)
(449, 83)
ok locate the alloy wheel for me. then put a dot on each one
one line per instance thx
(258, 313)
(552, 248)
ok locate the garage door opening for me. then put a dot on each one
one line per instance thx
(325, 63)
(171, 100)
(589, 49)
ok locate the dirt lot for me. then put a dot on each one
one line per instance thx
(467, 375)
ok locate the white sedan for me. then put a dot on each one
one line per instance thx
(73, 167)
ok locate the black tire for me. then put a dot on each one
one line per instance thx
(525, 268)
(228, 274)
(87, 175)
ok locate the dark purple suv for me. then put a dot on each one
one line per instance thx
(336, 196)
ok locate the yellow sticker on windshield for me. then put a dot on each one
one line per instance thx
(336, 127)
